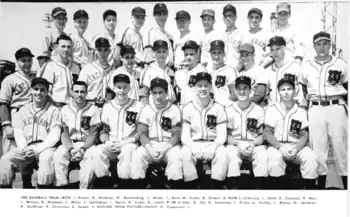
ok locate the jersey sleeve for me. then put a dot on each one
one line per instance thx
(232, 75)
(104, 114)
(96, 116)
(304, 119)
(83, 75)
(261, 77)
(56, 119)
(145, 78)
(221, 114)
(344, 75)
(49, 74)
(144, 116)
(230, 121)
(261, 116)
(270, 117)
(177, 116)
(126, 37)
(186, 114)
(6, 91)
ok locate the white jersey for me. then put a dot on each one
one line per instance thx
(80, 49)
(179, 43)
(257, 74)
(259, 40)
(134, 38)
(205, 41)
(232, 41)
(134, 85)
(112, 41)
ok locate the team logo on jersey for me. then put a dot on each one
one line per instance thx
(192, 81)
(252, 124)
(289, 77)
(165, 123)
(334, 77)
(130, 117)
(220, 81)
(295, 127)
(85, 122)
(211, 121)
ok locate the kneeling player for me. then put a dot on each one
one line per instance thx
(286, 131)
(203, 135)
(160, 123)
(245, 121)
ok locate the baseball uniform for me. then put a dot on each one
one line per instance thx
(33, 127)
(134, 38)
(287, 127)
(232, 41)
(80, 123)
(259, 40)
(245, 126)
(179, 43)
(113, 41)
(81, 49)
(134, 76)
(205, 41)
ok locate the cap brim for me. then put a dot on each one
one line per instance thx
(322, 38)
(58, 13)
(138, 14)
(247, 50)
(206, 15)
(282, 9)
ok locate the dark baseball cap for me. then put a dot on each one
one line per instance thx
(121, 78)
(277, 40)
(43, 81)
(217, 44)
(159, 82)
(109, 12)
(182, 15)
(127, 49)
(57, 11)
(243, 80)
(321, 36)
(45, 54)
(190, 44)
(138, 11)
(283, 7)
(160, 7)
(203, 76)
(231, 8)
(102, 42)
(287, 78)
(80, 14)
(160, 44)
(209, 12)
(256, 10)
(23, 52)
(246, 47)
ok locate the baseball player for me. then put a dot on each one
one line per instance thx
(286, 131)
(185, 78)
(256, 73)
(223, 75)
(132, 35)
(325, 81)
(158, 69)
(37, 131)
(43, 59)
(60, 72)
(204, 132)
(98, 73)
(245, 136)
(128, 58)
(160, 14)
(160, 124)
(81, 121)
(59, 16)
(232, 35)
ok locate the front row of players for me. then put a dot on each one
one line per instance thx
(208, 131)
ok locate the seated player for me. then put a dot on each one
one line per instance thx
(160, 123)
(80, 120)
(286, 131)
(245, 129)
(203, 134)
(37, 130)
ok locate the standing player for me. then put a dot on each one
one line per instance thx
(37, 132)
(160, 13)
(43, 59)
(325, 81)
(245, 139)
(80, 120)
(223, 75)
(203, 135)
(286, 131)
(160, 124)
(185, 78)
(61, 72)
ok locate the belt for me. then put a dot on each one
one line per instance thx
(75, 140)
(33, 142)
(15, 109)
(325, 103)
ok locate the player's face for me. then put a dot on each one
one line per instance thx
(247, 58)
(242, 91)
(138, 20)
(229, 18)
(322, 47)
(64, 48)
(203, 88)
(39, 93)
(283, 17)
(79, 93)
(191, 56)
(110, 23)
(161, 55)
(217, 55)
(286, 92)
(60, 21)
(159, 95)
(25, 64)
(103, 53)
(254, 20)
(81, 25)
(128, 60)
(208, 22)
(42, 61)
(161, 18)
(121, 90)
(183, 25)
(277, 52)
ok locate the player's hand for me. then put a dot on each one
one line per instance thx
(154, 154)
(116, 147)
(75, 155)
(240, 67)
(209, 152)
(29, 153)
(160, 156)
(291, 153)
(8, 131)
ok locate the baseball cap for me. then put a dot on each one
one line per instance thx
(159, 82)
(23, 52)
(246, 47)
(287, 78)
(138, 11)
(109, 12)
(283, 7)
(102, 42)
(321, 36)
(217, 44)
(43, 81)
(256, 10)
(127, 49)
(182, 15)
(277, 40)
(57, 11)
(44, 55)
(243, 80)
(273, 16)
(209, 12)
(190, 44)
(160, 7)
(160, 44)
(80, 14)
(231, 8)
(121, 78)
(201, 76)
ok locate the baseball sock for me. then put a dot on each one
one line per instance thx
(124, 183)
(233, 182)
(345, 182)
(27, 181)
(309, 184)
(321, 182)
(260, 182)
(276, 183)
(217, 184)
(103, 183)
(191, 184)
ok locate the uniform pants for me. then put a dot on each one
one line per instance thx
(259, 159)
(219, 163)
(103, 155)
(14, 160)
(329, 126)
(141, 159)
(61, 161)
(306, 158)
